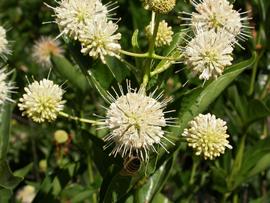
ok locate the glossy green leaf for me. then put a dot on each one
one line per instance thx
(117, 68)
(4, 129)
(156, 182)
(199, 99)
(7, 179)
(70, 73)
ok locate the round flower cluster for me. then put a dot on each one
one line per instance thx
(90, 23)
(44, 48)
(136, 122)
(164, 34)
(26, 194)
(218, 15)
(209, 53)
(161, 6)
(5, 87)
(216, 26)
(42, 101)
(4, 50)
(207, 136)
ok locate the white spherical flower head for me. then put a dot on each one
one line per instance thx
(44, 48)
(73, 15)
(5, 87)
(100, 39)
(26, 194)
(207, 136)
(209, 53)
(4, 50)
(218, 15)
(136, 123)
(42, 101)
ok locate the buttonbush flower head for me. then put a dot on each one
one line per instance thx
(26, 194)
(136, 123)
(4, 49)
(100, 39)
(60, 136)
(209, 53)
(5, 87)
(164, 34)
(42, 101)
(207, 136)
(218, 15)
(73, 15)
(160, 6)
(44, 48)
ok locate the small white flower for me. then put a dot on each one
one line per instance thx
(164, 34)
(44, 48)
(26, 194)
(73, 15)
(100, 39)
(4, 49)
(209, 53)
(218, 15)
(136, 123)
(5, 87)
(207, 136)
(42, 101)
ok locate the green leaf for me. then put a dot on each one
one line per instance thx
(199, 99)
(70, 73)
(156, 182)
(256, 110)
(134, 39)
(262, 164)
(24, 171)
(4, 130)
(5, 195)
(7, 179)
(117, 68)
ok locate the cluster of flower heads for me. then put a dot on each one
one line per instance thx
(217, 28)
(89, 22)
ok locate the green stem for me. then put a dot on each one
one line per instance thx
(91, 177)
(151, 50)
(265, 88)
(254, 73)
(83, 120)
(193, 171)
(147, 55)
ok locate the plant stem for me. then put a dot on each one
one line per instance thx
(193, 171)
(147, 55)
(151, 49)
(83, 120)
(254, 73)
(265, 88)
(91, 176)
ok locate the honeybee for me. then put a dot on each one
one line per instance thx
(131, 166)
